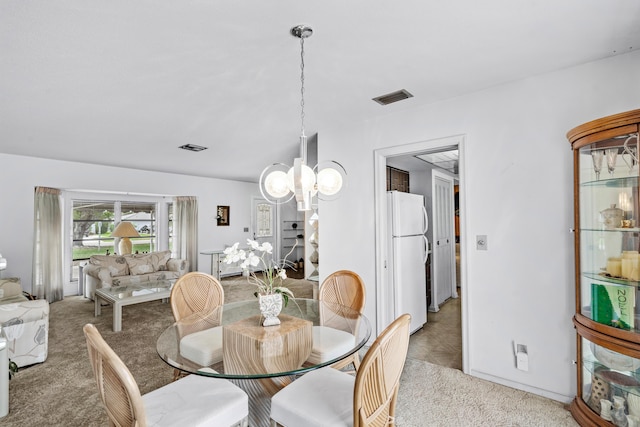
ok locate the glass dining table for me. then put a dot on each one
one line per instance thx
(230, 342)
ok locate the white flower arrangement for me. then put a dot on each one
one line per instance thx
(256, 258)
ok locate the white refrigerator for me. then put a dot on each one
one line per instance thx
(408, 251)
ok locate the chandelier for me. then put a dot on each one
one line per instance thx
(280, 183)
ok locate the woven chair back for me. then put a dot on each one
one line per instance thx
(195, 292)
(378, 377)
(117, 388)
(343, 287)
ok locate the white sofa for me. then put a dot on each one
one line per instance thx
(25, 324)
(105, 271)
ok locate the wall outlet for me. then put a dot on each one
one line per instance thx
(522, 356)
(246, 229)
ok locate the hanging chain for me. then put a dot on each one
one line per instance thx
(302, 84)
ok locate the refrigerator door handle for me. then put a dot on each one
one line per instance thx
(426, 220)
(426, 249)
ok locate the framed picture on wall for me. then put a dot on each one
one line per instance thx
(223, 215)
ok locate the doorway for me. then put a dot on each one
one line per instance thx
(384, 294)
(444, 281)
(264, 224)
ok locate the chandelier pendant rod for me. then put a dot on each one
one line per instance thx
(281, 183)
(302, 33)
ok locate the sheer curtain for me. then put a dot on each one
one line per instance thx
(47, 245)
(185, 230)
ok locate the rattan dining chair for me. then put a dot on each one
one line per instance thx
(195, 292)
(329, 397)
(333, 336)
(191, 401)
(198, 293)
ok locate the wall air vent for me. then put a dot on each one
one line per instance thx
(192, 147)
(392, 97)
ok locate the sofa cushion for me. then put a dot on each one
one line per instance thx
(10, 288)
(117, 265)
(148, 263)
(144, 278)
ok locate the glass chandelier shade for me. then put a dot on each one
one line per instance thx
(280, 183)
(276, 184)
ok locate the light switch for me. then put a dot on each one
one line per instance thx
(481, 243)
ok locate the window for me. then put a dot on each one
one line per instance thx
(92, 218)
(93, 223)
(143, 218)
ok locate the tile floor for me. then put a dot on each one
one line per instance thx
(440, 340)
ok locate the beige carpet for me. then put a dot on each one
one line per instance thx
(62, 392)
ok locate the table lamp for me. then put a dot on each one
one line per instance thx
(124, 230)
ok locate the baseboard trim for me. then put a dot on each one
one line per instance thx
(524, 387)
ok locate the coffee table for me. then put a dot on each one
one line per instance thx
(119, 296)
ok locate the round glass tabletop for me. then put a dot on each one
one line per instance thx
(230, 342)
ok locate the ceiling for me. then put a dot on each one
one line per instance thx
(445, 159)
(126, 82)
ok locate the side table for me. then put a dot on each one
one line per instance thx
(218, 268)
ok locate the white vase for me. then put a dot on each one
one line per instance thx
(270, 307)
(618, 402)
(605, 409)
(633, 404)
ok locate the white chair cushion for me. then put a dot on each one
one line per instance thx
(320, 398)
(329, 343)
(203, 347)
(196, 401)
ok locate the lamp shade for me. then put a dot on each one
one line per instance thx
(125, 229)
(3, 262)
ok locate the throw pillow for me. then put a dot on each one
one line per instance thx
(148, 263)
(139, 264)
(160, 259)
(117, 265)
(10, 287)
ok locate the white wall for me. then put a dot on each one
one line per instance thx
(19, 176)
(517, 190)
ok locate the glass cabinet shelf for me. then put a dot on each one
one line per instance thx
(603, 277)
(628, 181)
(612, 230)
(622, 381)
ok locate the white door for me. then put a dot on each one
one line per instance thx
(264, 224)
(443, 284)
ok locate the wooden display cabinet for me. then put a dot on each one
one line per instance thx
(607, 269)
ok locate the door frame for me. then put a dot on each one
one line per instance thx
(384, 312)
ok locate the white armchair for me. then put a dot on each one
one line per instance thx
(25, 324)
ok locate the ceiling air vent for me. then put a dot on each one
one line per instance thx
(392, 97)
(192, 147)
